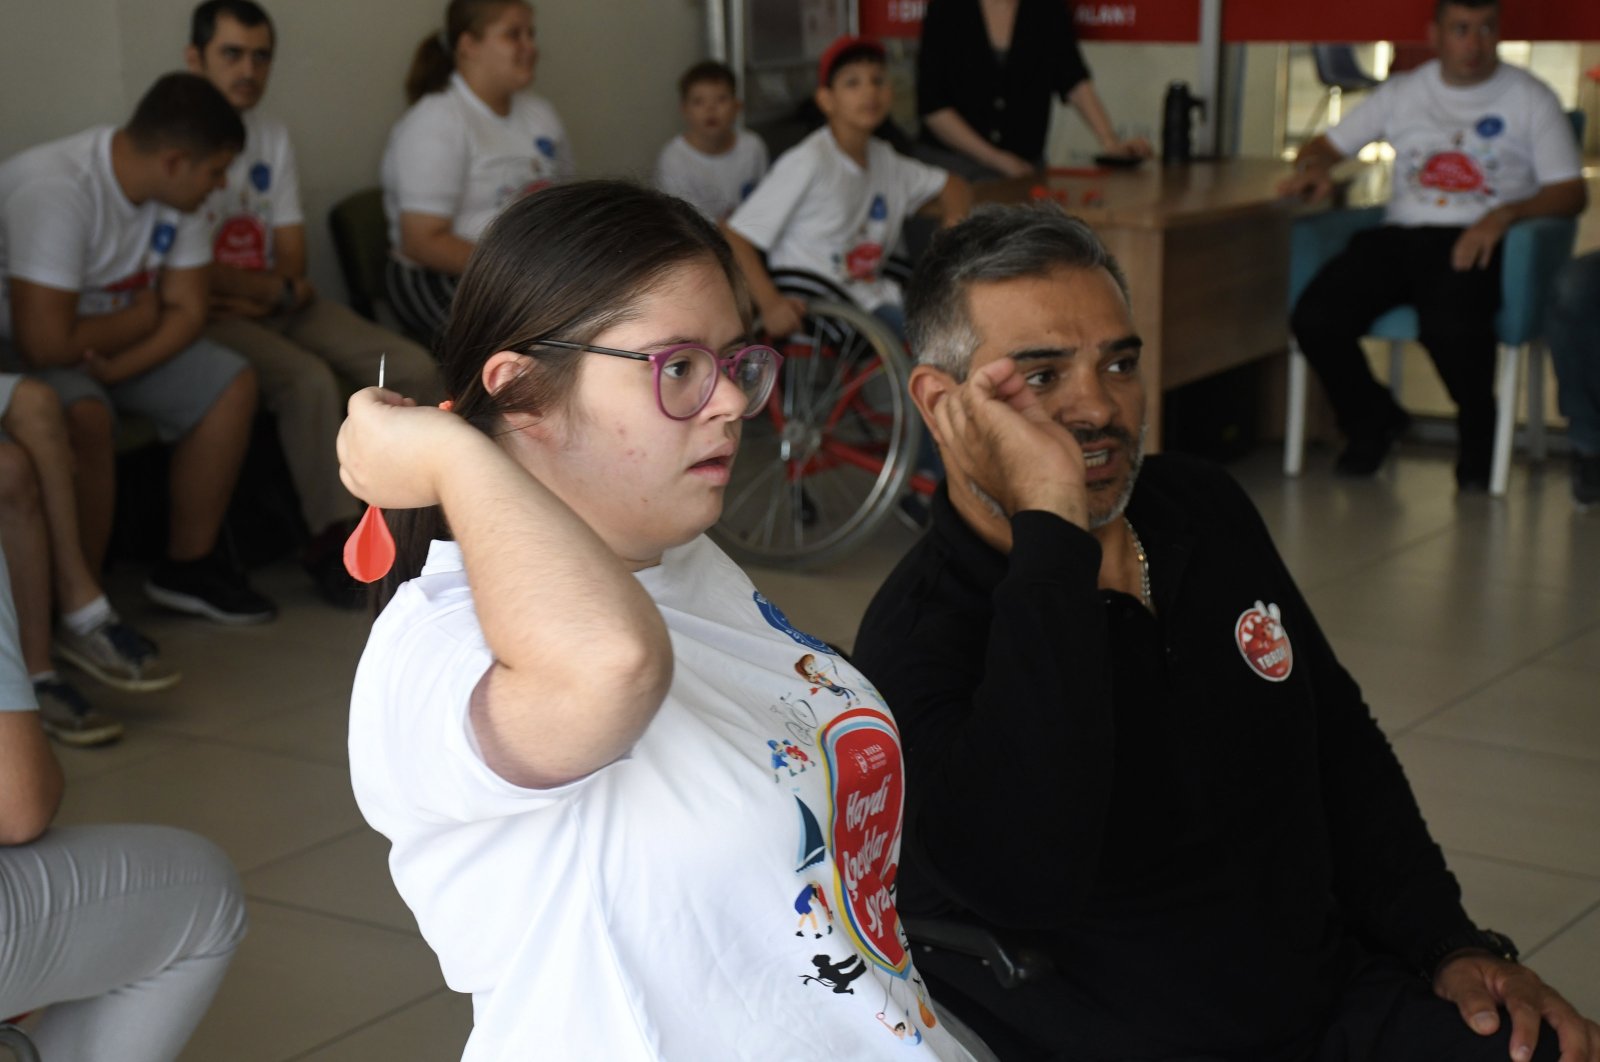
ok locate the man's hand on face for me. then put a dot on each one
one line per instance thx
(1481, 984)
(994, 435)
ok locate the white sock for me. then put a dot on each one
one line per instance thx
(43, 676)
(83, 620)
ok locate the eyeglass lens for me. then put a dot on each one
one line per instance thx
(689, 375)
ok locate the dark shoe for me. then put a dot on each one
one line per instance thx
(1471, 479)
(68, 718)
(1367, 447)
(117, 655)
(210, 589)
(336, 585)
(1585, 481)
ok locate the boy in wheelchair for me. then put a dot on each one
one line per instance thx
(834, 204)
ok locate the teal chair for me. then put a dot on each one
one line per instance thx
(1533, 253)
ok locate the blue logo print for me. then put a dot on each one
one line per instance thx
(775, 617)
(880, 209)
(546, 146)
(1490, 125)
(261, 176)
(161, 239)
(745, 189)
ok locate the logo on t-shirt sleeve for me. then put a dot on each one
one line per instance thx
(162, 237)
(546, 146)
(777, 620)
(261, 176)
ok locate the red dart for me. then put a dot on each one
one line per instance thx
(369, 551)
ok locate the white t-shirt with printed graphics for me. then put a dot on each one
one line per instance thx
(1462, 151)
(65, 223)
(715, 184)
(263, 194)
(451, 156)
(819, 211)
(722, 892)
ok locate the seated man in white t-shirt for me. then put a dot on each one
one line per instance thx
(106, 288)
(713, 163)
(473, 141)
(1478, 146)
(834, 203)
(306, 350)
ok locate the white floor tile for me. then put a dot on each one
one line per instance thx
(299, 980)
(1571, 963)
(347, 877)
(1544, 709)
(1526, 807)
(436, 1028)
(258, 807)
(1527, 904)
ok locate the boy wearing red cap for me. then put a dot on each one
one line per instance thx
(834, 203)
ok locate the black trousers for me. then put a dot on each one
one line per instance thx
(1386, 1013)
(1392, 266)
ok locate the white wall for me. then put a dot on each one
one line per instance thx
(610, 67)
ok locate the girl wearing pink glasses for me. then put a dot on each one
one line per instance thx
(562, 720)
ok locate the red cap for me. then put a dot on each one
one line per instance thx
(830, 58)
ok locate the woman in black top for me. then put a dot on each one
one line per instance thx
(986, 71)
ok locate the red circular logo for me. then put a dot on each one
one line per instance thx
(241, 242)
(1264, 643)
(1451, 171)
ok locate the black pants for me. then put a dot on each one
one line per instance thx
(1386, 1013)
(1392, 266)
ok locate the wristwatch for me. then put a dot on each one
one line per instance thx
(1496, 944)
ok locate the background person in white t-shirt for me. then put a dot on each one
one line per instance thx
(1478, 146)
(473, 141)
(834, 203)
(121, 933)
(105, 267)
(305, 349)
(713, 163)
(566, 714)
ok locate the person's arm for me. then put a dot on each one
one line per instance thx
(1475, 248)
(954, 132)
(582, 657)
(30, 778)
(429, 241)
(185, 295)
(954, 201)
(1086, 101)
(267, 291)
(1312, 178)
(48, 332)
(780, 313)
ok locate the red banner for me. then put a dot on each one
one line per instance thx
(1404, 21)
(1097, 20)
(1271, 20)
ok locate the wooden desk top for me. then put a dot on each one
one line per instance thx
(1155, 196)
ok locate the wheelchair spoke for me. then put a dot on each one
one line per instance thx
(772, 470)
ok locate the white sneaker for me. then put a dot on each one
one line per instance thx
(117, 655)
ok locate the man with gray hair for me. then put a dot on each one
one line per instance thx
(1128, 744)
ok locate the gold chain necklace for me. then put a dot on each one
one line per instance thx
(1144, 563)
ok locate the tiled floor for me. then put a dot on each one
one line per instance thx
(1473, 625)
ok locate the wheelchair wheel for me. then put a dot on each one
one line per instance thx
(822, 467)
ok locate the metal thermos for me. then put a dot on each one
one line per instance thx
(1177, 124)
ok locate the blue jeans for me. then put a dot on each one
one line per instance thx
(1573, 332)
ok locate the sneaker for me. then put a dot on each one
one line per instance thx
(1367, 447)
(1585, 480)
(336, 585)
(117, 655)
(210, 589)
(68, 718)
